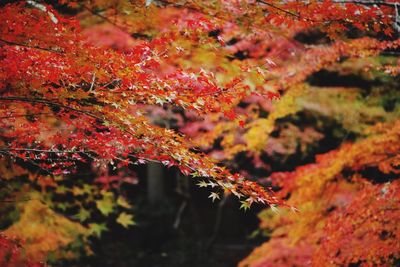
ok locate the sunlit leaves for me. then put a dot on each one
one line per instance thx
(202, 184)
(96, 94)
(245, 205)
(214, 196)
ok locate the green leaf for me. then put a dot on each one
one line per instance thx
(245, 205)
(63, 206)
(202, 184)
(87, 188)
(82, 215)
(97, 228)
(195, 174)
(125, 219)
(106, 205)
(61, 190)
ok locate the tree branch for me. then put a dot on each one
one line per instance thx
(49, 103)
(280, 9)
(367, 2)
(32, 46)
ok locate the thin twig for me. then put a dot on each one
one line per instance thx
(32, 46)
(280, 9)
(42, 150)
(179, 214)
(97, 14)
(24, 115)
(48, 103)
(360, 2)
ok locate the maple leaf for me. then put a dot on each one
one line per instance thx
(97, 228)
(202, 183)
(123, 202)
(61, 190)
(245, 205)
(82, 215)
(214, 196)
(77, 191)
(106, 204)
(274, 209)
(125, 219)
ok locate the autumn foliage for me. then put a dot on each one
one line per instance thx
(339, 212)
(199, 86)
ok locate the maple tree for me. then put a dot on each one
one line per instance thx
(84, 93)
(71, 98)
(335, 206)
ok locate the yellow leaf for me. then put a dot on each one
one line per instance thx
(125, 219)
(105, 205)
(123, 203)
(77, 191)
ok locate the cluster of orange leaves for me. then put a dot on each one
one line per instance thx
(344, 219)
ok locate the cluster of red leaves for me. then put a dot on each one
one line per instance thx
(283, 63)
(48, 69)
(64, 101)
(332, 17)
(12, 255)
(335, 17)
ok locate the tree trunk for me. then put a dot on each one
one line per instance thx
(155, 183)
